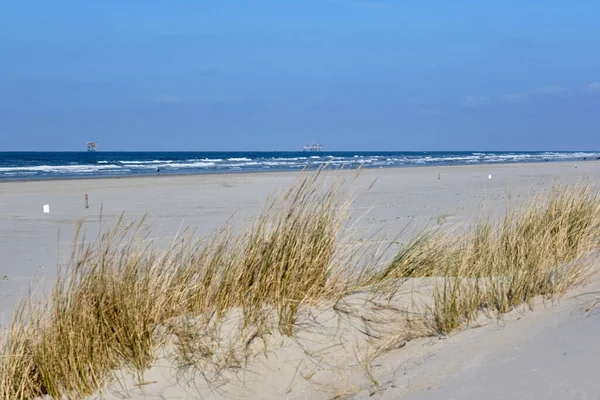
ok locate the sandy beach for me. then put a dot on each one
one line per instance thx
(549, 353)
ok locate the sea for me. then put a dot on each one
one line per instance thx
(56, 165)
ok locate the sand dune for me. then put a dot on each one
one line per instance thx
(547, 353)
(550, 353)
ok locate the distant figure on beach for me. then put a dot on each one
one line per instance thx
(157, 170)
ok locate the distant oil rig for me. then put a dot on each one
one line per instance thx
(91, 146)
(313, 147)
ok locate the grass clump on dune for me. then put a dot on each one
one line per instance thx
(101, 316)
(290, 255)
(541, 249)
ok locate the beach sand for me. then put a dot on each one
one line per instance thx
(492, 362)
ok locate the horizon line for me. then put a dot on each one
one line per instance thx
(299, 151)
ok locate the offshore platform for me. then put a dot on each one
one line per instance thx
(91, 146)
(314, 146)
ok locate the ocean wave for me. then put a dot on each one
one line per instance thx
(239, 159)
(146, 162)
(569, 155)
(246, 164)
(289, 158)
(458, 158)
(190, 165)
(61, 168)
(19, 173)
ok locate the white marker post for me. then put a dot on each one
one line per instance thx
(489, 177)
(46, 208)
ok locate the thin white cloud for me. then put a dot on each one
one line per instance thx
(531, 96)
(540, 92)
(548, 90)
(516, 98)
(168, 99)
(473, 101)
(594, 87)
(428, 111)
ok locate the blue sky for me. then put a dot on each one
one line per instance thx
(270, 75)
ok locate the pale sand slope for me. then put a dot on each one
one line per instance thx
(400, 197)
(551, 353)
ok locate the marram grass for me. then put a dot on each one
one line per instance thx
(540, 249)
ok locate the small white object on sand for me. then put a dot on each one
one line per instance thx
(489, 176)
(46, 208)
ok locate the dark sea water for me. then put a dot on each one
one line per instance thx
(24, 166)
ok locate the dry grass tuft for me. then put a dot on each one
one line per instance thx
(542, 249)
(290, 256)
(101, 315)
